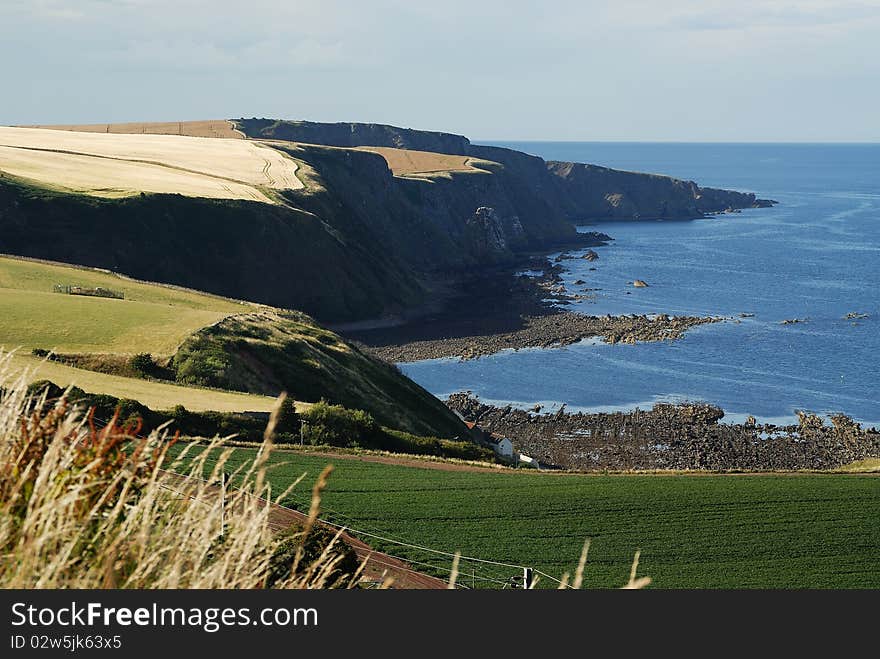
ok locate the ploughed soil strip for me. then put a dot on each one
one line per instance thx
(441, 465)
(379, 566)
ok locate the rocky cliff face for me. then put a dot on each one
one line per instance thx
(336, 270)
(445, 225)
(354, 134)
(592, 192)
(532, 187)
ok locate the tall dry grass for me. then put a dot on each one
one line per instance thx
(83, 507)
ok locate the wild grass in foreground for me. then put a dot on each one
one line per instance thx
(82, 507)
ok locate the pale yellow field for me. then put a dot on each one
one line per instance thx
(866, 466)
(406, 162)
(115, 165)
(155, 395)
(209, 128)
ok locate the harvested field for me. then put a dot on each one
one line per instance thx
(118, 165)
(217, 128)
(425, 164)
(153, 394)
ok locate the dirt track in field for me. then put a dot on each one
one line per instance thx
(379, 566)
(439, 465)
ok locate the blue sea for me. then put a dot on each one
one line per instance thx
(815, 256)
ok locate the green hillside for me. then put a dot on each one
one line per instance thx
(272, 254)
(273, 351)
(207, 342)
(151, 318)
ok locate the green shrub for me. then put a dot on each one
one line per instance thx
(337, 426)
(404, 442)
(143, 363)
(313, 545)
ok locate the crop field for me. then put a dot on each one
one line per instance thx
(701, 531)
(424, 164)
(151, 318)
(119, 165)
(218, 128)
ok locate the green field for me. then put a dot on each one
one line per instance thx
(151, 318)
(701, 531)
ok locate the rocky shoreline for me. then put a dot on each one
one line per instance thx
(502, 310)
(547, 331)
(679, 437)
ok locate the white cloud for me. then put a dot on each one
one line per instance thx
(481, 66)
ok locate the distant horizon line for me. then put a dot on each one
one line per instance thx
(477, 140)
(756, 142)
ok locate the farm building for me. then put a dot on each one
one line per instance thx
(502, 446)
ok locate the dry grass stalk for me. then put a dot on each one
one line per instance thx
(82, 507)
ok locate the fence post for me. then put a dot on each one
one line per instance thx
(527, 578)
(224, 482)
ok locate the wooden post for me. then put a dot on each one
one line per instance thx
(224, 482)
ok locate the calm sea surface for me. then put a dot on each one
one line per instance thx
(815, 256)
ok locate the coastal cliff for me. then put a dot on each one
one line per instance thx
(593, 192)
(357, 241)
(572, 191)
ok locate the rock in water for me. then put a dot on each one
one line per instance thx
(640, 283)
(591, 255)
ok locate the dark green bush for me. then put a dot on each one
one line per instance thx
(143, 363)
(313, 546)
(335, 425)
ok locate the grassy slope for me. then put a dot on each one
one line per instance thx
(151, 318)
(791, 531)
(270, 351)
(262, 353)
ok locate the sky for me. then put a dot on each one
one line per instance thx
(670, 70)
